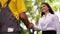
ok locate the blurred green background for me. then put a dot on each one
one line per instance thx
(34, 11)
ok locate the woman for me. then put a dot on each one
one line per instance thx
(48, 21)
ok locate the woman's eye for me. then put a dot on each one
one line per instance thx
(43, 6)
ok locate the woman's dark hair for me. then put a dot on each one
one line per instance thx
(50, 9)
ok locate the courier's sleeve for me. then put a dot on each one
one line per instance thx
(21, 6)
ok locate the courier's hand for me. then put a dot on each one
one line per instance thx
(31, 26)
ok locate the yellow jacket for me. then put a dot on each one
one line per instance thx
(16, 7)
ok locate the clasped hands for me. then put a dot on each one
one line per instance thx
(31, 26)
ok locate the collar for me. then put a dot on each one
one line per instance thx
(47, 14)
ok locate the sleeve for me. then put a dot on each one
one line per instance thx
(38, 27)
(56, 19)
(56, 23)
(21, 6)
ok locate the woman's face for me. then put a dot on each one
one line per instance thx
(44, 8)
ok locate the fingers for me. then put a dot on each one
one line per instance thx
(31, 26)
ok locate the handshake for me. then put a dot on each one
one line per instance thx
(31, 26)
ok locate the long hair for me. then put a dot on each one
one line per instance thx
(50, 9)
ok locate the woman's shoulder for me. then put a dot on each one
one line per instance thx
(54, 15)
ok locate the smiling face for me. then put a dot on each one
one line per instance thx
(44, 8)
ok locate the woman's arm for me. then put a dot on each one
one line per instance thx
(56, 24)
(38, 27)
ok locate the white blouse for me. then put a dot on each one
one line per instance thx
(47, 23)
